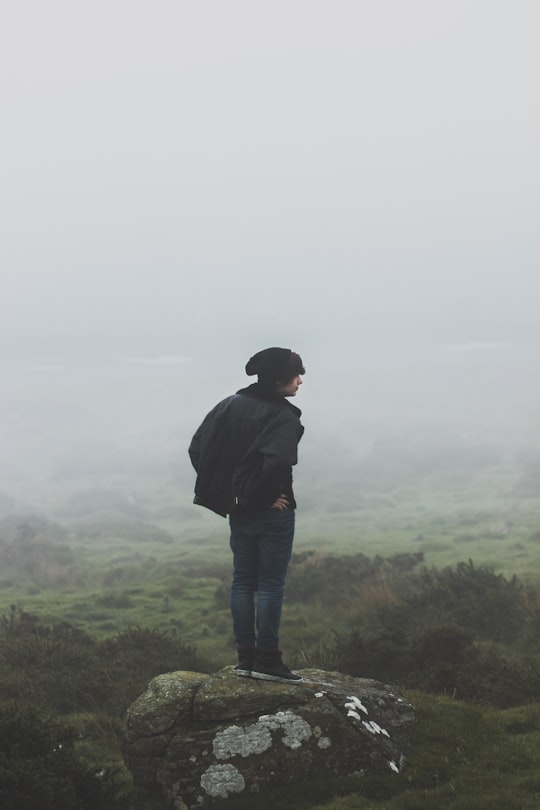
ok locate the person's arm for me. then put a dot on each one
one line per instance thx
(273, 455)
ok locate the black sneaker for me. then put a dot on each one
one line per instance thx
(268, 666)
(245, 661)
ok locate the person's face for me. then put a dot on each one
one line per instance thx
(289, 389)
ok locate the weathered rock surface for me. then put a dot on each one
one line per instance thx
(195, 738)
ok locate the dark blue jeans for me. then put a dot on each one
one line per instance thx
(261, 543)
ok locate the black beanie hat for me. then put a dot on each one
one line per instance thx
(269, 363)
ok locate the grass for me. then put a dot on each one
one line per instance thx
(167, 564)
(110, 583)
(176, 580)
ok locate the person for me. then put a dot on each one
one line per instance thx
(243, 454)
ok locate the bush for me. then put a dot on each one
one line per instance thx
(65, 670)
(443, 659)
(39, 767)
(441, 635)
(324, 579)
(486, 604)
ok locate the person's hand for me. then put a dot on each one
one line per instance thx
(281, 503)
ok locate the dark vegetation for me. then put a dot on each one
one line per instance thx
(463, 632)
(114, 587)
(63, 692)
(39, 766)
(67, 670)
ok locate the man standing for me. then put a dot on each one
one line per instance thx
(243, 454)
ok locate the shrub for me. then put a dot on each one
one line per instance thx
(64, 669)
(434, 637)
(324, 579)
(487, 605)
(39, 767)
(442, 659)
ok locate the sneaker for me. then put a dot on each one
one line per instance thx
(268, 666)
(245, 661)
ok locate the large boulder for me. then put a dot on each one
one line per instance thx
(194, 738)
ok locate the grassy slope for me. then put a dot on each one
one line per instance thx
(167, 565)
(176, 579)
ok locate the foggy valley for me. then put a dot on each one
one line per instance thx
(116, 422)
(183, 185)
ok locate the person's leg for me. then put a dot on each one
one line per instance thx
(275, 548)
(262, 545)
(244, 583)
(274, 540)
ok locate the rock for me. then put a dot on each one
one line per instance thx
(193, 738)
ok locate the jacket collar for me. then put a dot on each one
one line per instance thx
(268, 394)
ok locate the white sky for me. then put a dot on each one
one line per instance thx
(236, 173)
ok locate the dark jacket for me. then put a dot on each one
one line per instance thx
(244, 451)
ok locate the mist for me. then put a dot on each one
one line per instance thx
(183, 185)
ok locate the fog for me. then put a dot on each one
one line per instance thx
(183, 184)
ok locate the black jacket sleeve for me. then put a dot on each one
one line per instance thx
(264, 473)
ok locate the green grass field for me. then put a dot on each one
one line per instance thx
(164, 563)
(106, 563)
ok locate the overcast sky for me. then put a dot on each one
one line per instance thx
(236, 173)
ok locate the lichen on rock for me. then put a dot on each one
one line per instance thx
(222, 780)
(195, 738)
(257, 738)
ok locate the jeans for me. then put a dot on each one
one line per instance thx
(261, 543)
